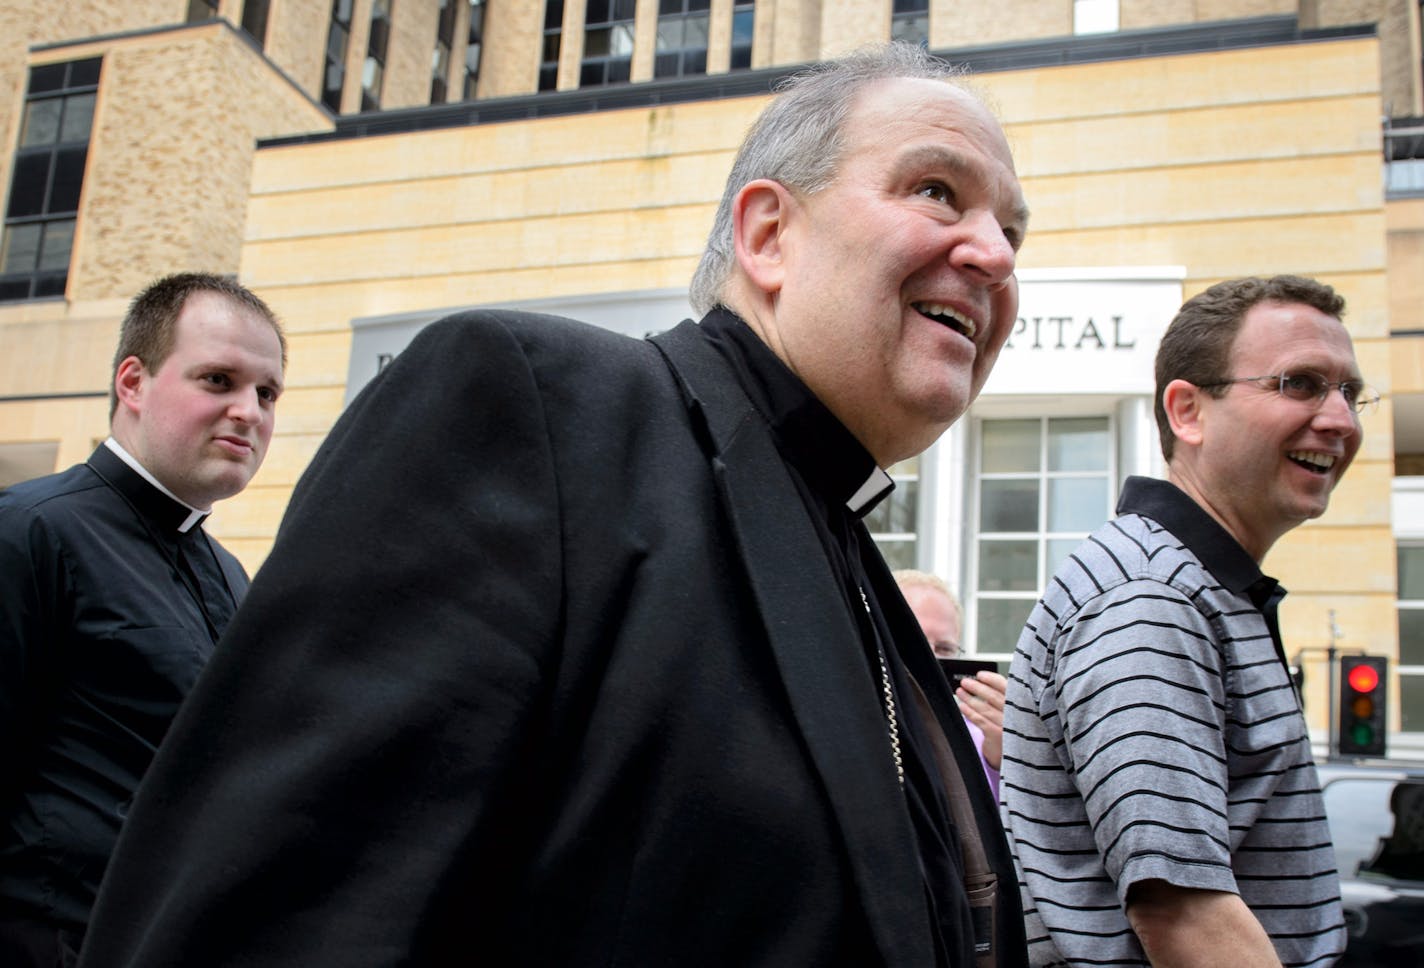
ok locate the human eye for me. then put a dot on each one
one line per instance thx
(267, 394)
(936, 191)
(217, 381)
(1302, 386)
(1351, 390)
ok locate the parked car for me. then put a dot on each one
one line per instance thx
(1376, 813)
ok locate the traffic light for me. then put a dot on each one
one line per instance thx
(1362, 706)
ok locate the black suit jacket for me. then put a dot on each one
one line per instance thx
(547, 667)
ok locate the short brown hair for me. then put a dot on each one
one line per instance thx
(1197, 344)
(150, 327)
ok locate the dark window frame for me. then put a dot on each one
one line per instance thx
(605, 22)
(47, 179)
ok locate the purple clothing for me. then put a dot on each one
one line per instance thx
(989, 771)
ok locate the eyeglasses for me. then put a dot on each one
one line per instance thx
(1305, 386)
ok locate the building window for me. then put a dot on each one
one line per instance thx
(682, 38)
(46, 180)
(1095, 16)
(553, 36)
(1411, 638)
(894, 523)
(1042, 485)
(474, 46)
(743, 20)
(338, 37)
(373, 72)
(910, 22)
(607, 42)
(254, 20)
(200, 10)
(440, 57)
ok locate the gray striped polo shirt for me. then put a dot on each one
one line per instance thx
(1152, 731)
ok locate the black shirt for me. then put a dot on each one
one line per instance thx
(104, 626)
(840, 483)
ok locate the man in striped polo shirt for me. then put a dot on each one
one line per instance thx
(1158, 787)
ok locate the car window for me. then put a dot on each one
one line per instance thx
(1377, 825)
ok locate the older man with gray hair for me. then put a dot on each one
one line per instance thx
(573, 648)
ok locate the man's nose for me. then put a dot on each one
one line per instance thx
(984, 249)
(246, 407)
(1336, 413)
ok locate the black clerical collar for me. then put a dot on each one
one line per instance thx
(808, 435)
(165, 511)
(1203, 535)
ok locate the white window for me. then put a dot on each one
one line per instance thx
(1411, 638)
(1095, 16)
(1041, 485)
(894, 523)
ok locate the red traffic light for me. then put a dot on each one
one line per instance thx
(1363, 678)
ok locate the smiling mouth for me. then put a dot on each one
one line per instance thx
(1311, 460)
(946, 316)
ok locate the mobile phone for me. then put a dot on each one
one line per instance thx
(956, 669)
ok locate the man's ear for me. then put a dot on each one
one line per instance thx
(759, 213)
(130, 380)
(1182, 402)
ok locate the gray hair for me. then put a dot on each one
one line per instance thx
(797, 141)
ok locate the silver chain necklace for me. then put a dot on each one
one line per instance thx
(891, 720)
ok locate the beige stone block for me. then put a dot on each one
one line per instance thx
(957, 24)
(1312, 71)
(1407, 364)
(317, 359)
(1362, 496)
(848, 24)
(289, 455)
(1309, 245)
(308, 410)
(1117, 142)
(1320, 559)
(1213, 192)
(513, 40)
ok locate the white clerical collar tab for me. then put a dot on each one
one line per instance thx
(194, 517)
(875, 485)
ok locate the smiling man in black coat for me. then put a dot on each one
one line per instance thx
(572, 648)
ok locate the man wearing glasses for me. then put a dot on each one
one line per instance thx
(1158, 787)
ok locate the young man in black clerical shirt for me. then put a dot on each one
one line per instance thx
(112, 596)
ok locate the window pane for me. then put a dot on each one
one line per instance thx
(898, 553)
(68, 180)
(50, 285)
(41, 122)
(1010, 445)
(1008, 566)
(1077, 503)
(1411, 636)
(667, 7)
(27, 185)
(595, 43)
(1411, 703)
(595, 12)
(85, 73)
(21, 248)
(670, 34)
(1000, 622)
(619, 70)
(1058, 551)
(696, 31)
(78, 116)
(1078, 445)
(15, 289)
(47, 77)
(58, 240)
(553, 14)
(1009, 505)
(1411, 572)
(897, 513)
(1360, 818)
(622, 40)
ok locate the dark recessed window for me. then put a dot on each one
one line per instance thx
(743, 19)
(47, 179)
(199, 10)
(338, 37)
(553, 37)
(373, 71)
(254, 19)
(910, 21)
(440, 57)
(682, 38)
(474, 46)
(607, 42)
